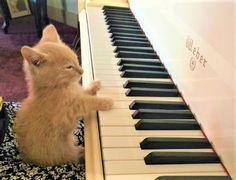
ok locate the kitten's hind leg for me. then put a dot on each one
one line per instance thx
(81, 154)
(76, 154)
(93, 87)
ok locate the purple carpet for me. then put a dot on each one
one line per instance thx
(21, 32)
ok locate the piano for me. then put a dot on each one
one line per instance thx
(169, 66)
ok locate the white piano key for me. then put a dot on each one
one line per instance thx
(114, 67)
(111, 63)
(155, 175)
(109, 131)
(117, 90)
(121, 154)
(122, 142)
(116, 113)
(107, 48)
(134, 141)
(107, 71)
(124, 79)
(106, 63)
(116, 75)
(113, 60)
(123, 97)
(103, 56)
(110, 83)
(125, 104)
(139, 167)
(121, 104)
(121, 113)
(117, 121)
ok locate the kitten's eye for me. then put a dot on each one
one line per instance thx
(69, 67)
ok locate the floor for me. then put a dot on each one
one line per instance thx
(21, 32)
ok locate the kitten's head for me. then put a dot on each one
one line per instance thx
(50, 62)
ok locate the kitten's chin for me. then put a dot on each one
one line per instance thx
(76, 79)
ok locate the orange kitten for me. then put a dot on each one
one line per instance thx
(45, 122)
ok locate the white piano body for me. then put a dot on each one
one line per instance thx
(196, 41)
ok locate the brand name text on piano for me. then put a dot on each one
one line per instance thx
(196, 56)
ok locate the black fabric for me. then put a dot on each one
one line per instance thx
(3, 124)
(12, 166)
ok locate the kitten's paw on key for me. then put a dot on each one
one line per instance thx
(95, 85)
(107, 103)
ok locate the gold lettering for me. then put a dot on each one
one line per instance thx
(198, 54)
(194, 50)
(205, 61)
(201, 58)
(191, 44)
(187, 43)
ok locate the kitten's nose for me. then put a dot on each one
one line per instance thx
(80, 70)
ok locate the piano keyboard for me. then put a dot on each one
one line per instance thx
(151, 132)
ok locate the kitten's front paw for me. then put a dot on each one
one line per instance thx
(95, 86)
(107, 103)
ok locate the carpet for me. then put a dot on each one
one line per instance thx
(21, 32)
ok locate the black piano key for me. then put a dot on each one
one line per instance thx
(117, 11)
(115, 7)
(194, 178)
(130, 54)
(110, 22)
(139, 55)
(144, 74)
(121, 13)
(115, 38)
(107, 7)
(151, 92)
(131, 43)
(181, 158)
(120, 18)
(175, 143)
(123, 26)
(132, 39)
(167, 124)
(134, 49)
(126, 30)
(149, 84)
(139, 61)
(127, 35)
(142, 104)
(116, 16)
(124, 20)
(126, 11)
(142, 67)
(161, 113)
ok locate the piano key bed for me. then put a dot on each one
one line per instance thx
(151, 132)
(12, 166)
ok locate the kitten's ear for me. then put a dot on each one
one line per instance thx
(50, 34)
(32, 56)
